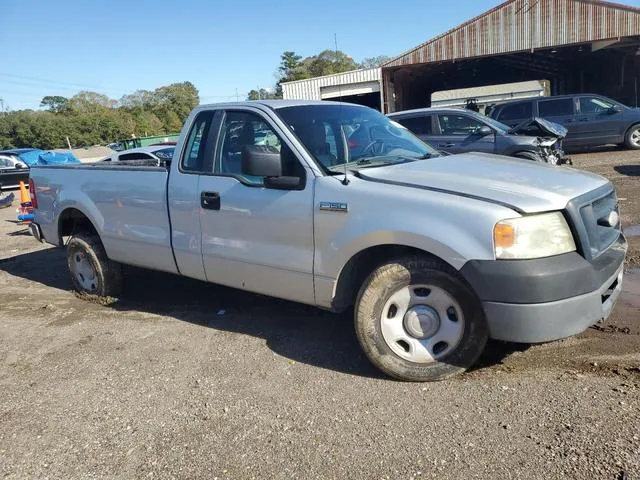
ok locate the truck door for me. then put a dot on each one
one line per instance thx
(459, 133)
(184, 193)
(256, 238)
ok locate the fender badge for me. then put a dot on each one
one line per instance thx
(334, 207)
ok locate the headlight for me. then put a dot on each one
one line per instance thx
(533, 236)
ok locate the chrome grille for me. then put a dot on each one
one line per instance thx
(592, 216)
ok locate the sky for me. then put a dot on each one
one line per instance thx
(118, 46)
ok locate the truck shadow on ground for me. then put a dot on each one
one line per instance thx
(301, 333)
(629, 170)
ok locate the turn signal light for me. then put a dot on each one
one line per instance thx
(504, 235)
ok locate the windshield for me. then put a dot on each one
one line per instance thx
(361, 137)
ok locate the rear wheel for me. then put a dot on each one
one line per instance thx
(92, 273)
(417, 321)
(632, 138)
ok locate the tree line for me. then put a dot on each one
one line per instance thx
(91, 118)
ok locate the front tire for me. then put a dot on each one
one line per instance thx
(632, 138)
(417, 321)
(92, 273)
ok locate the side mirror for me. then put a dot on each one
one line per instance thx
(19, 166)
(615, 109)
(261, 161)
(266, 161)
(484, 131)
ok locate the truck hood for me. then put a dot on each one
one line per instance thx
(522, 185)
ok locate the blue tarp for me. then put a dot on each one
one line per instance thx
(43, 157)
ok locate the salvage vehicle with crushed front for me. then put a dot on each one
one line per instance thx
(434, 254)
(460, 130)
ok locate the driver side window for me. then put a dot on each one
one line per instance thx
(240, 129)
(458, 125)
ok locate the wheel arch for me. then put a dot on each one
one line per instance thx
(363, 263)
(72, 220)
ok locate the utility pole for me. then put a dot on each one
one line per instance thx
(237, 95)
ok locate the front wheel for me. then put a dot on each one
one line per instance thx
(417, 321)
(632, 138)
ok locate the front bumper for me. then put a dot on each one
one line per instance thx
(531, 301)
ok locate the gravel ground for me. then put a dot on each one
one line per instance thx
(186, 380)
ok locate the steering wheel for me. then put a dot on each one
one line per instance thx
(375, 148)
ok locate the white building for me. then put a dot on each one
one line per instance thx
(362, 86)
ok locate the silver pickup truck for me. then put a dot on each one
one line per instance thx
(338, 206)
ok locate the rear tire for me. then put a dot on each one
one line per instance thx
(632, 137)
(417, 321)
(92, 273)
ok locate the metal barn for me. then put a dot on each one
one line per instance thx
(577, 45)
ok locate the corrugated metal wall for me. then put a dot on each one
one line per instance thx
(310, 89)
(520, 25)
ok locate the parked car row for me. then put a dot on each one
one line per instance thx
(590, 120)
(458, 130)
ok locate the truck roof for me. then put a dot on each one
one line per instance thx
(276, 104)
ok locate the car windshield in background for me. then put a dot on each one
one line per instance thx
(360, 137)
(501, 127)
(165, 153)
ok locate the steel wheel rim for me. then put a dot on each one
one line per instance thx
(635, 137)
(422, 323)
(84, 272)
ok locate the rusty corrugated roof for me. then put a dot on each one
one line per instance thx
(520, 25)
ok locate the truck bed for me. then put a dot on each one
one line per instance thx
(127, 204)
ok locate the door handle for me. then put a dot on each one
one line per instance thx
(210, 200)
(445, 145)
(583, 119)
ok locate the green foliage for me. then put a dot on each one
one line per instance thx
(55, 103)
(372, 62)
(328, 62)
(262, 94)
(90, 118)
